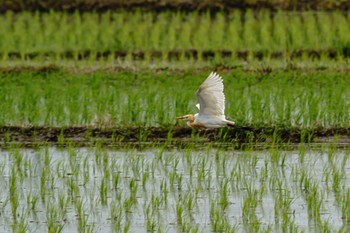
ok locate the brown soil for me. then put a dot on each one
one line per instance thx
(183, 5)
(87, 136)
(175, 55)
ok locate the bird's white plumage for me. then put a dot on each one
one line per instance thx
(211, 105)
(211, 96)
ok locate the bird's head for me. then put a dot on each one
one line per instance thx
(188, 117)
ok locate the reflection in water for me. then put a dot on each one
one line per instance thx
(100, 190)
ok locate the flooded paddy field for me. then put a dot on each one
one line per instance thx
(102, 152)
(208, 189)
(89, 140)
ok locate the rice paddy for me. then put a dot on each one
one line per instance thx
(151, 99)
(177, 36)
(95, 96)
(206, 190)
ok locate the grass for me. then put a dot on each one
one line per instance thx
(67, 189)
(285, 98)
(237, 190)
(57, 36)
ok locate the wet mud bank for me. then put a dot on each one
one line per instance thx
(170, 5)
(179, 55)
(176, 136)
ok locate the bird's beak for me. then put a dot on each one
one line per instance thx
(180, 117)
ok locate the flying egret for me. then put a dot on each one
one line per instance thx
(211, 105)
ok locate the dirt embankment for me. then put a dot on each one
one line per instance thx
(159, 5)
(177, 55)
(86, 136)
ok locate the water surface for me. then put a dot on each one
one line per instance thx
(100, 190)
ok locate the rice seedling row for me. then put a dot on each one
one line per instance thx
(57, 35)
(287, 99)
(208, 190)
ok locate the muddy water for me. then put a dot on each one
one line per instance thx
(92, 189)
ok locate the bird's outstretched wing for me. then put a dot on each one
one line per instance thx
(211, 96)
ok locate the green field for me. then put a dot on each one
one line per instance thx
(119, 69)
(56, 36)
(95, 95)
(287, 98)
(189, 190)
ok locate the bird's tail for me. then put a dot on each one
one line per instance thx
(230, 123)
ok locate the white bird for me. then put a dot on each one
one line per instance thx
(211, 105)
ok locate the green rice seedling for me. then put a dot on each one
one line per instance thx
(250, 203)
(43, 190)
(32, 201)
(179, 214)
(311, 29)
(202, 172)
(200, 37)
(103, 192)
(217, 33)
(186, 30)
(13, 193)
(7, 138)
(73, 189)
(234, 36)
(326, 29)
(190, 201)
(327, 172)
(116, 215)
(275, 156)
(264, 172)
(60, 37)
(86, 173)
(336, 181)
(345, 205)
(250, 30)
(126, 227)
(6, 39)
(218, 220)
(256, 192)
(60, 138)
(143, 135)
(131, 200)
(151, 225)
(172, 177)
(54, 221)
(63, 202)
(156, 202)
(341, 32)
(313, 200)
(280, 34)
(18, 161)
(311, 116)
(21, 225)
(82, 217)
(296, 32)
(115, 180)
(223, 200)
(345, 160)
(165, 191)
(265, 25)
(145, 178)
(283, 210)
